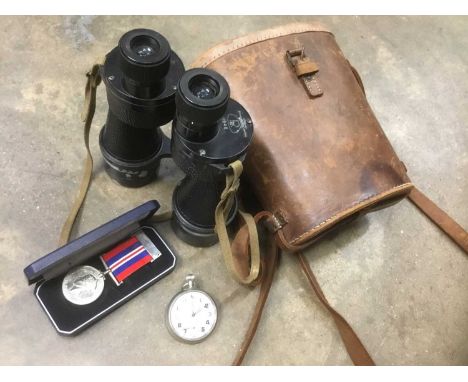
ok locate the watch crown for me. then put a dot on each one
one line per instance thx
(189, 282)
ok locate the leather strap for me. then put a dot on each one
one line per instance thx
(440, 218)
(306, 70)
(221, 212)
(94, 79)
(353, 344)
(269, 265)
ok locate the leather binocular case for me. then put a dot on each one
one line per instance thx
(319, 157)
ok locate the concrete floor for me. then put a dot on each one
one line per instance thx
(401, 283)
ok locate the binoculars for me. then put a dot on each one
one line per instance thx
(147, 87)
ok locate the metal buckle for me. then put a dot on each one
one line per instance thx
(290, 54)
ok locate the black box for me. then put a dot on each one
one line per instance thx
(49, 271)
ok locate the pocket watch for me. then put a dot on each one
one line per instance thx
(192, 313)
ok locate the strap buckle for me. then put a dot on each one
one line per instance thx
(294, 53)
(306, 70)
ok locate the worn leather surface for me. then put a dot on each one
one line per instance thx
(315, 161)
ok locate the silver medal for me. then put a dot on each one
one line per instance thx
(83, 285)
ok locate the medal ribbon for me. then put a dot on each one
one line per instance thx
(125, 259)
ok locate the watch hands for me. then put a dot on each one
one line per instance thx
(191, 304)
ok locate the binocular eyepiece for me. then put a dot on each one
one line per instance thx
(147, 87)
(141, 76)
(201, 100)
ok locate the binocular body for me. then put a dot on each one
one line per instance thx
(147, 87)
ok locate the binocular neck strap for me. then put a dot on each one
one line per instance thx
(222, 211)
(94, 79)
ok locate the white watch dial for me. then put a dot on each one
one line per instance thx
(192, 315)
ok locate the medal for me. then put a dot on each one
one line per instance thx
(83, 285)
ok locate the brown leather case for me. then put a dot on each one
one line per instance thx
(319, 156)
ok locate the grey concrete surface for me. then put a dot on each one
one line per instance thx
(399, 281)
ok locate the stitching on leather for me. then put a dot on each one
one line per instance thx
(284, 31)
(344, 212)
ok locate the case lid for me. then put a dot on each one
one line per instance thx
(92, 243)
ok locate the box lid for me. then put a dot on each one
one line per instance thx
(91, 244)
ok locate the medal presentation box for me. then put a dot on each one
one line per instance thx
(82, 255)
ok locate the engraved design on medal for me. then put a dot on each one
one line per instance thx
(83, 285)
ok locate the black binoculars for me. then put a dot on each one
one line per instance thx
(147, 87)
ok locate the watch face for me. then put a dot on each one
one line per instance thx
(192, 315)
